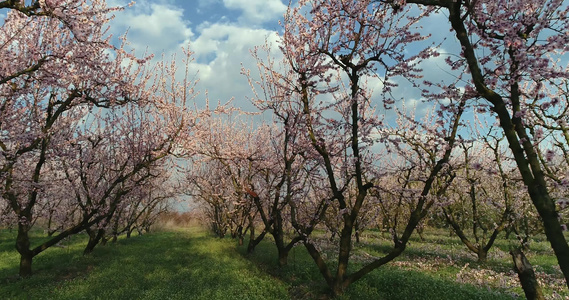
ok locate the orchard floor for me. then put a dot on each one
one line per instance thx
(191, 264)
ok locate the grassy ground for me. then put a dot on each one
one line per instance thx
(444, 256)
(168, 265)
(190, 264)
(388, 282)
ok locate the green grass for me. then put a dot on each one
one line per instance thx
(445, 257)
(169, 265)
(387, 282)
(191, 264)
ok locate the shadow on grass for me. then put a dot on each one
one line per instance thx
(59, 261)
(300, 274)
(451, 252)
(176, 265)
(387, 282)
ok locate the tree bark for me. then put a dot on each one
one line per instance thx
(283, 257)
(527, 275)
(482, 255)
(23, 247)
(26, 264)
(253, 242)
(94, 238)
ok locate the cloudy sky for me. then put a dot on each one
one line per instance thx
(220, 32)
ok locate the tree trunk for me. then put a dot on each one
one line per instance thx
(357, 232)
(482, 255)
(283, 257)
(253, 242)
(23, 247)
(90, 246)
(94, 238)
(555, 236)
(527, 275)
(278, 235)
(128, 230)
(50, 231)
(420, 231)
(26, 265)
(338, 288)
(320, 263)
(339, 284)
(251, 229)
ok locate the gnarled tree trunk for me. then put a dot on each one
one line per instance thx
(527, 275)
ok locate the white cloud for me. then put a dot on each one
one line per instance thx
(221, 50)
(159, 27)
(257, 11)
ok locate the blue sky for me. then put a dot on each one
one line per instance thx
(220, 32)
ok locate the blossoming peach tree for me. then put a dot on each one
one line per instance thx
(82, 121)
(513, 56)
(332, 51)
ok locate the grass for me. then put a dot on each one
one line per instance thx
(191, 264)
(438, 268)
(184, 264)
(387, 282)
(445, 256)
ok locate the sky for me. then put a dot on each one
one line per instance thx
(221, 33)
